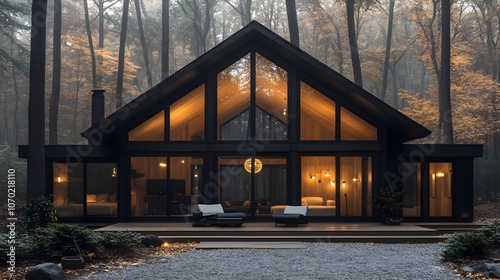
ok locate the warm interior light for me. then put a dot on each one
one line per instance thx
(433, 176)
(257, 165)
(113, 172)
(332, 183)
(355, 179)
(182, 161)
(165, 245)
(313, 177)
(440, 174)
(327, 174)
(59, 179)
(284, 112)
(343, 184)
(162, 164)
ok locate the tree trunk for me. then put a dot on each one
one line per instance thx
(56, 74)
(100, 45)
(356, 63)
(387, 50)
(36, 103)
(165, 39)
(293, 25)
(121, 55)
(444, 93)
(143, 44)
(91, 45)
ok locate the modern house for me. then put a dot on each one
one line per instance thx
(255, 124)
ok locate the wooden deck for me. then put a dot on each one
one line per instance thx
(312, 232)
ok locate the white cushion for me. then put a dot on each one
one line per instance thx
(330, 202)
(210, 209)
(289, 209)
(313, 200)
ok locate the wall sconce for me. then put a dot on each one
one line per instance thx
(326, 174)
(162, 164)
(343, 184)
(440, 174)
(332, 183)
(59, 179)
(355, 180)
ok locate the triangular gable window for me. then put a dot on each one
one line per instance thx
(317, 115)
(187, 117)
(353, 127)
(235, 116)
(152, 129)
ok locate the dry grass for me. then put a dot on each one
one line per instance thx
(110, 261)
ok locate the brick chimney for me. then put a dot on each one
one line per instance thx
(97, 105)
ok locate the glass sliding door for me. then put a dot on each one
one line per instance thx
(270, 184)
(239, 192)
(184, 185)
(318, 185)
(148, 186)
(355, 186)
(101, 189)
(412, 188)
(68, 189)
(235, 184)
(440, 192)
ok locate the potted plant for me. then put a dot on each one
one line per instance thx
(389, 202)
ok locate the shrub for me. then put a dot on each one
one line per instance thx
(58, 240)
(492, 232)
(120, 240)
(23, 247)
(40, 212)
(472, 244)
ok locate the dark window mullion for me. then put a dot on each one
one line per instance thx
(252, 97)
(84, 189)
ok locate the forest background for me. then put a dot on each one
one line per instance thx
(392, 48)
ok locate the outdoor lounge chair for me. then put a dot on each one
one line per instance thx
(213, 214)
(292, 216)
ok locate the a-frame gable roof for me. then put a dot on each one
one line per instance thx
(400, 127)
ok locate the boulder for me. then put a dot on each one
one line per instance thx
(468, 269)
(490, 269)
(151, 241)
(46, 271)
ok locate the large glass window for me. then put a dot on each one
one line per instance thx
(353, 127)
(93, 194)
(440, 184)
(318, 185)
(187, 117)
(148, 183)
(152, 129)
(411, 186)
(185, 183)
(271, 97)
(233, 101)
(356, 186)
(270, 184)
(101, 189)
(235, 183)
(68, 189)
(267, 193)
(317, 115)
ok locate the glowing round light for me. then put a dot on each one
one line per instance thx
(257, 166)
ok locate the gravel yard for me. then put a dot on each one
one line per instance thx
(317, 261)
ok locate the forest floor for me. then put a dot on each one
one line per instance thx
(488, 213)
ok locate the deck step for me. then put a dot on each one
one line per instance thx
(340, 239)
